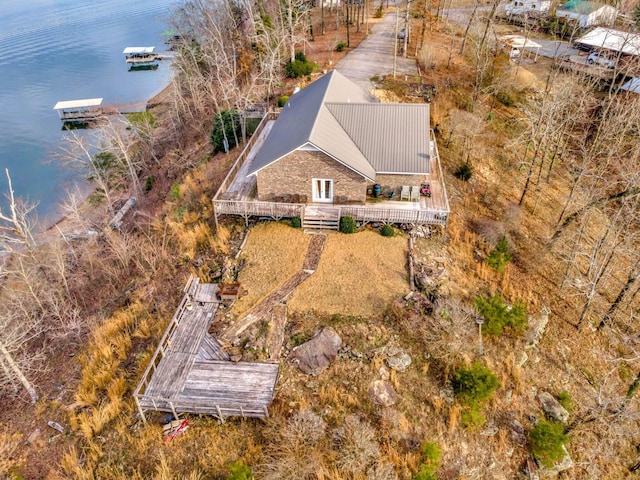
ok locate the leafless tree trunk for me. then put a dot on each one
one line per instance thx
(16, 226)
(466, 31)
(632, 278)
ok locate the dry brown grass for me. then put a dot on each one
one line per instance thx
(358, 275)
(272, 254)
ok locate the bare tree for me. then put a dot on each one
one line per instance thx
(81, 152)
(17, 225)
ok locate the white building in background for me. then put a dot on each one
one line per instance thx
(517, 7)
(587, 14)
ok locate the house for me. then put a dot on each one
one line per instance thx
(334, 145)
(518, 7)
(587, 14)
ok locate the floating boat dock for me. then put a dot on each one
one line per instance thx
(79, 110)
(141, 55)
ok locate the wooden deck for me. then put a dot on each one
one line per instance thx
(237, 194)
(191, 373)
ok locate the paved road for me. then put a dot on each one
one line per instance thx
(552, 48)
(374, 56)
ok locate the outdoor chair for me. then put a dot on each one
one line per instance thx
(404, 195)
(415, 194)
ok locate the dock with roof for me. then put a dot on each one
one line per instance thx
(140, 55)
(79, 110)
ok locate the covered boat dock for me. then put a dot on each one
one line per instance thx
(140, 55)
(79, 110)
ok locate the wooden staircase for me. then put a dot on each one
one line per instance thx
(318, 217)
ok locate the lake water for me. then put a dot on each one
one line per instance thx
(52, 50)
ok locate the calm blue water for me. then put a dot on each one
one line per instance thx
(52, 50)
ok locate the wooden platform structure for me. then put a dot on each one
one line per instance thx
(79, 110)
(191, 373)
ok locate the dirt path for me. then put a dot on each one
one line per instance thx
(264, 308)
(374, 56)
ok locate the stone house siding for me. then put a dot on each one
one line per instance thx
(290, 178)
(396, 181)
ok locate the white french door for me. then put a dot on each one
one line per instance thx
(322, 190)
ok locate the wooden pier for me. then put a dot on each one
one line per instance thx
(191, 373)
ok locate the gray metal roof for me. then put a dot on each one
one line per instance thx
(394, 137)
(338, 117)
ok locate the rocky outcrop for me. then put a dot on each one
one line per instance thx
(382, 393)
(552, 407)
(397, 359)
(318, 353)
(537, 326)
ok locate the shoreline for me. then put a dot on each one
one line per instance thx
(61, 223)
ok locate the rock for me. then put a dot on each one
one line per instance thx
(384, 373)
(399, 362)
(55, 426)
(518, 433)
(565, 464)
(490, 430)
(382, 393)
(33, 437)
(537, 326)
(523, 359)
(552, 407)
(318, 353)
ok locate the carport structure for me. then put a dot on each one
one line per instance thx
(616, 41)
(522, 44)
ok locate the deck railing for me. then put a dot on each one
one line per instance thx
(432, 137)
(140, 390)
(243, 155)
(259, 209)
(392, 215)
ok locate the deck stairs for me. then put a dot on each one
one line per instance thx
(320, 217)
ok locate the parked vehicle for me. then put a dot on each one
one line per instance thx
(599, 58)
(401, 34)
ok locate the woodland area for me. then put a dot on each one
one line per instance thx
(543, 172)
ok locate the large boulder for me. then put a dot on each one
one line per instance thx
(382, 393)
(552, 407)
(318, 353)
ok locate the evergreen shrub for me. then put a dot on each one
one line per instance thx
(547, 440)
(387, 231)
(226, 124)
(498, 316)
(348, 225)
(500, 255)
(474, 385)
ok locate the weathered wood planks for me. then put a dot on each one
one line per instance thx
(193, 373)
